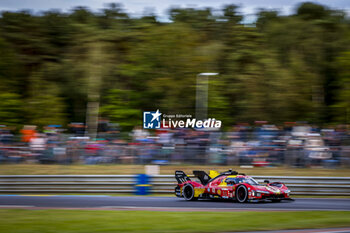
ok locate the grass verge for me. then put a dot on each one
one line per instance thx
(37, 169)
(66, 221)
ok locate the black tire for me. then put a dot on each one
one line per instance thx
(188, 193)
(241, 193)
(276, 200)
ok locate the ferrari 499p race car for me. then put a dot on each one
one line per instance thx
(229, 185)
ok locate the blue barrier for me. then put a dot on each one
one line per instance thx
(142, 185)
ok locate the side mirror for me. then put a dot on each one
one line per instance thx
(267, 181)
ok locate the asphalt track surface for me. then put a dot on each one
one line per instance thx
(165, 203)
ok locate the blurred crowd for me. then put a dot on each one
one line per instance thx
(262, 144)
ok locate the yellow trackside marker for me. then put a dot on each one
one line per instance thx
(143, 185)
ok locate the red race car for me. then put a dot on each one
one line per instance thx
(228, 185)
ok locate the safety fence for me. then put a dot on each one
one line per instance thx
(252, 155)
(330, 186)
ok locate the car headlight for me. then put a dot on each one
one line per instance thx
(287, 191)
(260, 191)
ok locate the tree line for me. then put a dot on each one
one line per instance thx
(279, 68)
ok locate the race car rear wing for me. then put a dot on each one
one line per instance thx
(181, 177)
(202, 176)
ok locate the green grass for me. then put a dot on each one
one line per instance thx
(37, 169)
(64, 221)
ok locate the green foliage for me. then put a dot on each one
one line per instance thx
(10, 108)
(283, 68)
(342, 108)
(44, 106)
(120, 107)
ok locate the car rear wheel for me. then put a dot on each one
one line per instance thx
(241, 194)
(188, 193)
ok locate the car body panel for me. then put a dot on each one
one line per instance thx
(224, 185)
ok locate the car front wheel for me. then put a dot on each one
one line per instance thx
(241, 194)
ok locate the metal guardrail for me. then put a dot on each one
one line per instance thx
(332, 186)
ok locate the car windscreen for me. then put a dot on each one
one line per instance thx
(250, 181)
(231, 181)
